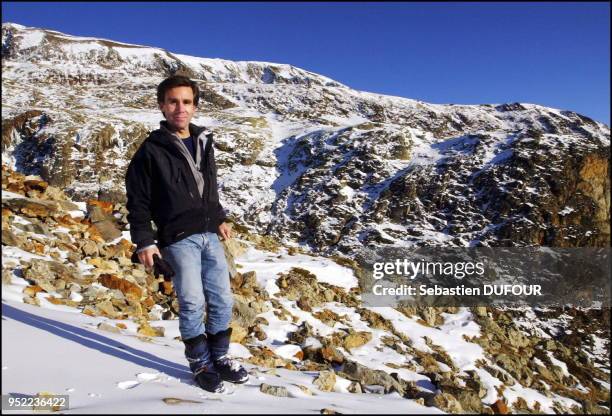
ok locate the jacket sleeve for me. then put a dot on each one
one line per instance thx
(138, 185)
(222, 213)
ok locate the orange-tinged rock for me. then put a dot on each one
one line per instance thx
(56, 301)
(35, 185)
(129, 289)
(330, 354)
(107, 207)
(32, 290)
(68, 221)
(94, 234)
(62, 245)
(121, 325)
(125, 248)
(38, 247)
(500, 407)
(149, 331)
(148, 302)
(89, 310)
(238, 332)
(15, 187)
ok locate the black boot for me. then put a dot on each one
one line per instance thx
(228, 369)
(204, 373)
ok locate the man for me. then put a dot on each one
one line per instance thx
(172, 180)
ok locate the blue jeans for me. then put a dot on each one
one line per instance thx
(201, 281)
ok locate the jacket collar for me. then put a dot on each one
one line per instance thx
(164, 136)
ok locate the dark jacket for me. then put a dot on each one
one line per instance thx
(161, 186)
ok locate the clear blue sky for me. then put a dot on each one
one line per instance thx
(554, 54)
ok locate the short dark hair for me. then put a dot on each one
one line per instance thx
(177, 81)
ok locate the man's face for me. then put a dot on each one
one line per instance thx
(178, 107)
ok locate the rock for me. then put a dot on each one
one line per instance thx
(374, 319)
(301, 284)
(303, 332)
(106, 308)
(355, 387)
(278, 391)
(366, 376)
(89, 248)
(7, 276)
(357, 339)
(32, 290)
(129, 289)
(99, 210)
(239, 333)
(107, 229)
(447, 402)
(103, 326)
(328, 411)
(261, 335)
(9, 238)
(104, 266)
(242, 313)
(32, 207)
(31, 301)
(233, 248)
(430, 315)
(500, 407)
(35, 184)
(328, 317)
(148, 331)
(43, 272)
(174, 401)
(265, 357)
(331, 355)
(303, 304)
(480, 311)
(325, 381)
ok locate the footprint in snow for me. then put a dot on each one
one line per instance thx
(125, 385)
(147, 377)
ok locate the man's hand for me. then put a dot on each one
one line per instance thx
(225, 231)
(146, 257)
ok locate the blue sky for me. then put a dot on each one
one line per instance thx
(553, 54)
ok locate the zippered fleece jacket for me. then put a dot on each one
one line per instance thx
(165, 185)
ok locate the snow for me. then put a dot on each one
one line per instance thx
(449, 335)
(532, 396)
(31, 39)
(558, 363)
(76, 48)
(268, 266)
(566, 210)
(104, 372)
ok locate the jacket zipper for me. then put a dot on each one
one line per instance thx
(180, 174)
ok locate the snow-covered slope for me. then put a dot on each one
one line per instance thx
(111, 373)
(110, 332)
(327, 166)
